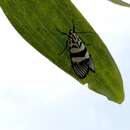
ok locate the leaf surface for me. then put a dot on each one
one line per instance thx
(38, 20)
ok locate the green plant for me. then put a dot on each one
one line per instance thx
(37, 20)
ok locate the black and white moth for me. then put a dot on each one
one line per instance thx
(81, 60)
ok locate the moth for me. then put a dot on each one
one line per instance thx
(81, 60)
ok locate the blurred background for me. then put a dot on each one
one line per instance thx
(35, 94)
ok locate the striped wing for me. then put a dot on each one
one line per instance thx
(81, 69)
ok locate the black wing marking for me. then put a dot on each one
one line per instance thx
(81, 69)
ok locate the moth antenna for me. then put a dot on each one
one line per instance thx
(63, 33)
(88, 33)
(73, 25)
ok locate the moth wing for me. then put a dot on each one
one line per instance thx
(81, 69)
(90, 64)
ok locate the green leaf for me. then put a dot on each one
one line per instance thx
(120, 2)
(37, 21)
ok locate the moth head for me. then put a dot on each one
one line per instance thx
(70, 32)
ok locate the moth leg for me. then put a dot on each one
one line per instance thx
(86, 44)
(66, 45)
